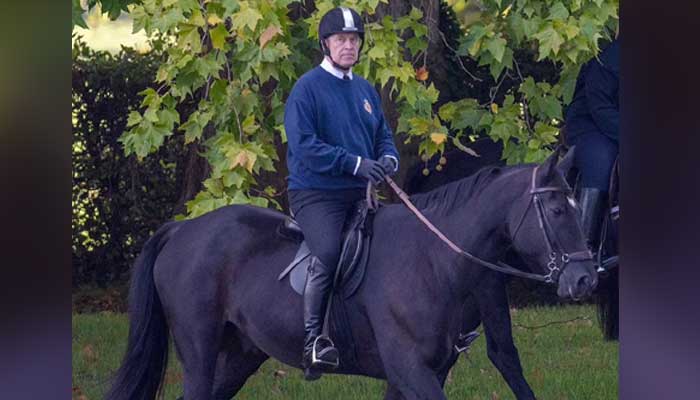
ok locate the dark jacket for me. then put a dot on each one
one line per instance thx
(595, 106)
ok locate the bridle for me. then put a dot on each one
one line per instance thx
(555, 250)
(554, 247)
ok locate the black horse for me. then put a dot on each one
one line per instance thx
(460, 165)
(212, 281)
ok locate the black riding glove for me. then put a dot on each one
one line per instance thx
(389, 165)
(371, 170)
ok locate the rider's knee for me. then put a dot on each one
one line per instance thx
(329, 256)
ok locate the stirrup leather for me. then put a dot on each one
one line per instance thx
(315, 361)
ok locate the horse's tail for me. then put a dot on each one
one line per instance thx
(607, 302)
(144, 364)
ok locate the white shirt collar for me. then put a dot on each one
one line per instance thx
(338, 73)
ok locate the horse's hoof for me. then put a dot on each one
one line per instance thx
(312, 374)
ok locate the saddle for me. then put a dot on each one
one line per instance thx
(350, 271)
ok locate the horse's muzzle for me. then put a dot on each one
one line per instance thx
(578, 281)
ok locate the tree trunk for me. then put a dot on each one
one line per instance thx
(194, 171)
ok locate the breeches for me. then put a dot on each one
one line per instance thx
(321, 215)
(594, 157)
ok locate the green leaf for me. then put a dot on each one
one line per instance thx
(384, 75)
(246, 17)
(501, 131)
(551, 107)
(571, 31)
(168, 117)
(218, 90)
(169, 20)
(447, 111)
(188, 5)
(77, 15)
(529, 89)
(134, 119)
(197, 19)
(188, 38)
(531, 26)
(486, 120)
(261, 201)
(416, 44)
(517, 27)
(218, 36)
(249, 125)
(528, 10)
(558, 12)
(497, 47)
(151, 115)
(472, 44)
(467, 118)
(545, 87)
(229, 5)
(567, 81)
(496, 68)
(376, 52)
(192, 128)
(546, 133)
(550, 41)
(214, 186)
(233, 179)
(415, 13)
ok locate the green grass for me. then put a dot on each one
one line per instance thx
(562, 361)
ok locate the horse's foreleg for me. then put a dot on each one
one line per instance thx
(408, 375)
(493, 305)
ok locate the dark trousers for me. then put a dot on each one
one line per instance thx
(321, 215)
(594, 158)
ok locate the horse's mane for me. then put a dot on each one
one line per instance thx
(446, 197)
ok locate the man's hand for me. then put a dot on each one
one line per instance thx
(389, 165)
(371, 170)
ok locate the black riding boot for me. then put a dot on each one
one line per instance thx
(316, 291)
(592, 203)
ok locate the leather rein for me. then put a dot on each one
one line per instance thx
(553, 246)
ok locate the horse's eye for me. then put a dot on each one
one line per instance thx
(557, 210)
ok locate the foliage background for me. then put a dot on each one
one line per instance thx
(196, 123)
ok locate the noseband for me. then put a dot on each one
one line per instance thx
(554, 247)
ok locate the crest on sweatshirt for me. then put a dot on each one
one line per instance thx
(368, 107)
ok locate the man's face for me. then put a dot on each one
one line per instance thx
(344, 48)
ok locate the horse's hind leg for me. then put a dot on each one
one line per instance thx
(392, 393)
(197, 336)
(237, 361)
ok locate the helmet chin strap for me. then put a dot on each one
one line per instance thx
(340, 67)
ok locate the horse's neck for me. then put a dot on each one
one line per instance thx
(478, 225)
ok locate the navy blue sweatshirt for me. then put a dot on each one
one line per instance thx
(595, 106)
(329, 123)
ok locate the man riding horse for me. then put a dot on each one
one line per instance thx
(592, 124)
(338, 141)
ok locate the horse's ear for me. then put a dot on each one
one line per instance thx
(549, 166)
(567, 162)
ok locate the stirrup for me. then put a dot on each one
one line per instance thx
(316, 361)
(466, 339)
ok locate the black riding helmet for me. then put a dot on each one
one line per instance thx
(340, 20)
